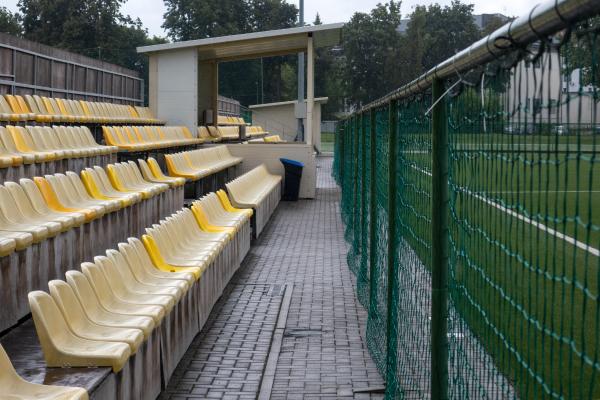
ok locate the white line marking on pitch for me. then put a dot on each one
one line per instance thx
(540, 226)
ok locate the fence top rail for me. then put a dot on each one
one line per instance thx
(542, 20)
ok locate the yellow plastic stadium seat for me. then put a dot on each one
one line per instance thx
(96, 312)
(19, 108)
(224, 199)
(62, 348)
(24, 144)
(148, 275)
(145, 263)
(38, 203)
(82, 326)
(55, 204)
(100, 190)
(205, 224)
(158, 177)
(111, 302)
(15, 387)
(8, 114)
(161, 264)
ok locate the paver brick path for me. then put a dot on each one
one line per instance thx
(323, 354)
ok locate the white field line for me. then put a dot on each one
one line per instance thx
(584, 246)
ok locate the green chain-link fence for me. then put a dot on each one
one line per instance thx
(472, 211)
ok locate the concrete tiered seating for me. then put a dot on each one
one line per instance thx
(26, 151)
(137, 309)
(15, 108)
(14, 387)
(257, 189)
(145, 138)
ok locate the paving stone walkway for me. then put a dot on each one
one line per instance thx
(289, 325)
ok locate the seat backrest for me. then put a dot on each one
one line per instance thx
(51, 327)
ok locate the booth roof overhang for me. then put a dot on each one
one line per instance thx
(256, 44)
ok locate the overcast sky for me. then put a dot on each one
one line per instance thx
(151, 11)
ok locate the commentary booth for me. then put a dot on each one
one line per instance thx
(184, 87)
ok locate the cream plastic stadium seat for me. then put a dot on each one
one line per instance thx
(215, 133)
(25, 106)
(69, 196)
(8, 114)
(204, 223)
(7, 244)
(47, 110)
(97, 189)
(108, 187)
(7, 158)
(148, 174)
(12, 211)
(179, 255)
(15, 224)
(57, 201)
(125, 175)
(147, 267)
(217, 215)
(111, 302)
(248, 190)
(18, 108)
(144, 112)
(133, 172)
(84, 197)
(179, 166)
(15, 387)
(82, 326)
(26, 207)
(41, 115)
(229, 132)
(60, 137)
(273, 139)
(126, 290)
(148, 275)
(24, 144)
(204, 134)
(40, 205)
(62, 348)
(96, 312)
(121, 270)
(10, 148)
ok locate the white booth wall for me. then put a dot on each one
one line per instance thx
(270, 153)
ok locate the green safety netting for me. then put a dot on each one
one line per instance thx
(523, 234)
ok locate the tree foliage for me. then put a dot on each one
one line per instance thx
(10, 22)
(95, 28)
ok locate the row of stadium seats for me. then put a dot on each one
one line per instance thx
(15, 387)
(224, 133)
(15, 108)
(109, 313)
(228, 120)
(197, 164)
(144, 138)
(54, 222)
(37, 150)
(257, 189)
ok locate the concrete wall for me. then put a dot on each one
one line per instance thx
(269, 154)
(173, 87)
(279, 119)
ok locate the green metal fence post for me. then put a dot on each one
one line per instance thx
(355, 136)
(372, 206)
(363, 188)
(439, 244)
(392, 317)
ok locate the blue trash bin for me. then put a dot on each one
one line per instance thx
(293, 176)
